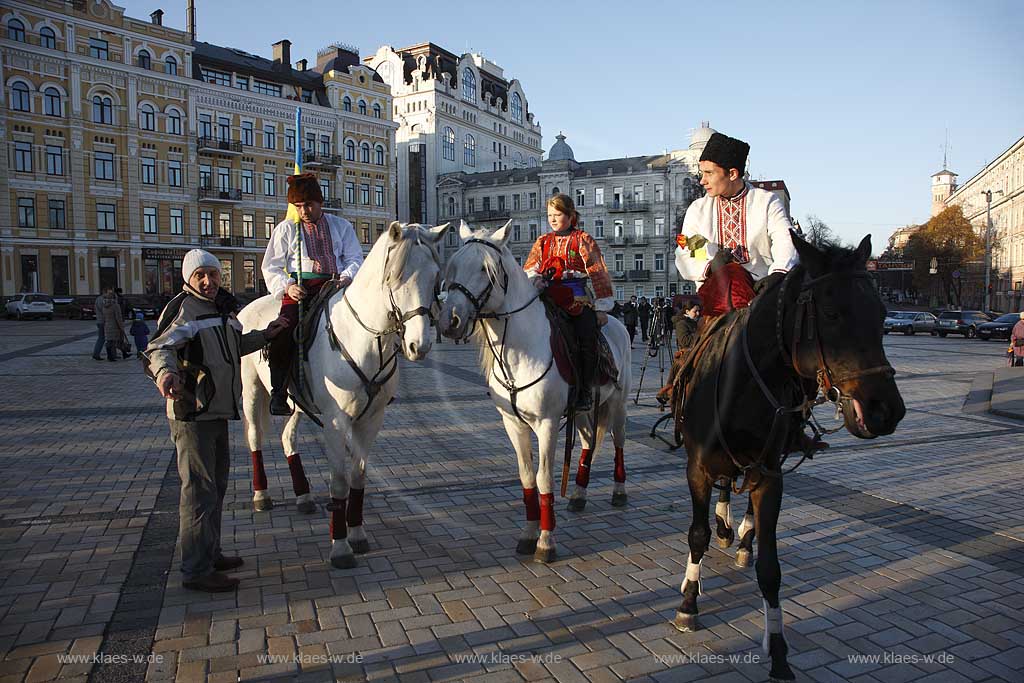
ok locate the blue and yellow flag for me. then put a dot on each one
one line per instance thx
(293, 213)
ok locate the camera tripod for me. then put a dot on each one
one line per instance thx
(657, 347)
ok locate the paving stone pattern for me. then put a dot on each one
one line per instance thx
(902, 547)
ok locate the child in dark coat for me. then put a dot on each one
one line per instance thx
(140, 332)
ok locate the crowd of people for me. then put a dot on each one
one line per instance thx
(112, 310)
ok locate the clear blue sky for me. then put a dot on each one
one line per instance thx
(847, 102)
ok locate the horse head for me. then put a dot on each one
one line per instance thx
(834, 335)
(477, 279)
(411, 278)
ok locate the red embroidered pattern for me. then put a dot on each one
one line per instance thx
(319, 246)
(732, 225)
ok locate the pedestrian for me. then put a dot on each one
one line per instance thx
(643, 312)
(1017, 342)
(629, 316)
(667, 312)
(685, 323)
(140, 333)
(195, 361)
(100, 338)
(113, 324)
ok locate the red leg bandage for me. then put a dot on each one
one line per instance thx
(259, 475)
(583, 469)
(300, 484)
(547, 512)
(355, 507)
(532, 505)
(338, 528)
(620, 467)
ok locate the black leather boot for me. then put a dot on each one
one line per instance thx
(588, 374)
(280, 357)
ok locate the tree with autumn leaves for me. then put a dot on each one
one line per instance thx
(953, 242)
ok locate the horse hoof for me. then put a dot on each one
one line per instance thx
(781, 673)
(619, 500)
(344, 562)
(360, 547)
(577, 504)
(687, 623)
(262, 503)
(305, 504)
(724, 542)
(744, 558)
(526, 547)
(545, 555)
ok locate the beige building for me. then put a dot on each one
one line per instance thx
(1004, 177)
(130, 142)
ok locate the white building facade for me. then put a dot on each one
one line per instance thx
(455, 114)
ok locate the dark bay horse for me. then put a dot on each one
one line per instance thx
(819, 330)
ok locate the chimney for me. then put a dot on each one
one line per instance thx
(190, 18)
(301, 64)
(157, 17)
(282, 53)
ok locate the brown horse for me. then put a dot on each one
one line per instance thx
(820, 330)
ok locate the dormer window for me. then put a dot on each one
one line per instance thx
(468, 85)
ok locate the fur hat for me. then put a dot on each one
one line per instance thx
(197, 258)
(304, 187)
(725, 151)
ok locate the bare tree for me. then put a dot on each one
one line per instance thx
(818, 233)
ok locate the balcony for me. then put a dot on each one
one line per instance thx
(489, 215)
(618, 275)
(639, 275)
(618, 240)
(638, 241)
(314, 160)
(213, 194)
(629, 206)
(333, 205)
(211, 144)
(213, 241)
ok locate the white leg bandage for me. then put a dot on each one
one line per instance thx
(724, 510)
(772, 623)
(692, 574)
(746, 525)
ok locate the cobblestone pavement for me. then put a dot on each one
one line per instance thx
(899, 548)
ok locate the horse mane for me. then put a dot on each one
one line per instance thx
(413, 235)
(479, 334)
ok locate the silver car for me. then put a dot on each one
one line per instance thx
(909, 322)
(22, 306)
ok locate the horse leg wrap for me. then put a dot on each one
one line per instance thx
(724, 510)
(583, 470)
(547, 512)
(300, 484)
(338, 529)
(532, 505)
(259, 475)
(772, 623)
(692, 574)
(746, 525)
(354, 516)
(620, 466)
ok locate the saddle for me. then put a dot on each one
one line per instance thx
(565, 349)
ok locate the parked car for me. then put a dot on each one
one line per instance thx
(960, 322)
(999, 328)
(908, 322)
(29, 305)
(82, 308)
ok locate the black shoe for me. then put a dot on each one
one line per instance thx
(585, 401)
(279, 403)
(226, 564)
(97, 357)
(214, 582)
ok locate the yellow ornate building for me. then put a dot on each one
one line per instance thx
(129, 142)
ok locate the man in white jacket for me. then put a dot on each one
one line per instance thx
(330, 250)
(734, 222)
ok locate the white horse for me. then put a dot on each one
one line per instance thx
(486, 285)
(354, 373)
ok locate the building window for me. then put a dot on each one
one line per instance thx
(247, 133)
(618, 228)
(174, 123)
(362, 107)
(638, 193)
(148, 171)
(448, 144)
(149, 220)
(325, 145)
(223, 179)
(598, 196)
(271, 89)
(365, 232)
(106, 217)
(620, 262)
(659, 262)
(51, 102)
(325, 188)
(147, 117)
(350, 193)
(205, 126)
(57, 219)
(224, 223)
(241, 82)
(54, 160)
(174, 173)
(638, 227)
(215, 77)
(364, 152)
(99, 49)
(598, 227)
(268, 226)
(269, 186)
(223, 128)
(378, 195)
(581, 196)
(248, 226)
(269, 136)
(26, 212)
(533, 232)
(205, 177)
(468, 85)
(638, 261)
(517, 233)
(171, 66)
(346, 103)
(469, 151)
(102, 110)
(21, 100)
(659, 193)
(516, 105)
(15, 30)
(249, 270)
(376, 111)
(311, 142)
(516, 201)
(659, 226)
(533, 200)
(364, 194)
(205, 222)
(289, 140)
(103, 165)
(177, 222)
(47, 38)
(144, 60)
(471, 205)
(247, 181)
(23, 157)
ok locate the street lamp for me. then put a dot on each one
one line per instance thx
(988, 245)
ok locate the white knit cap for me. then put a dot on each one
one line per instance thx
(197, 258)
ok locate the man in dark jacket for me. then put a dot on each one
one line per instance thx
(629, 314)
(685, 323)
(643, 311)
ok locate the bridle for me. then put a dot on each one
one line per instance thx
(478, 301)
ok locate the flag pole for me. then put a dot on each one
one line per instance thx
(298, 244)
